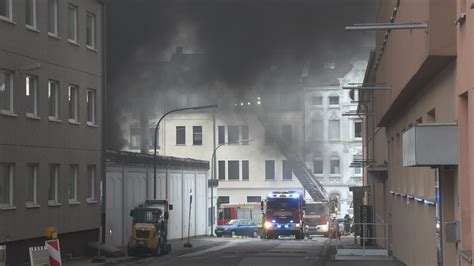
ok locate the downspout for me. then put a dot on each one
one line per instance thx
(104, 121)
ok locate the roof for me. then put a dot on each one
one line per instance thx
(133, 158)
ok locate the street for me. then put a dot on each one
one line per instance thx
(250, 251)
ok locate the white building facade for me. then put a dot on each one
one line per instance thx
(333, 139)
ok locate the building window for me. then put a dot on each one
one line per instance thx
(91, 176)
(72, 184)
(91, 107)
(221, 170)
(6, 184)
(233, 170)
(6, 92)
(245, 170)
(357, 171)
(317, 129)
(286, 133)
(53, 17)
(233, 134)
(221, 133)
(134, 138)
(334, 129)
(333, 100)
(180, 135)
(53, 99)
(254, 199)
(30, 13)
(286, 170)
(335, 167)
(31, 96)
(32, 185)
(90, 28)
(73, 102)
(245, 135)
(357, 129)
(6, 9)
(222, 200)
(269, 170)
(318, 167)
(268, 137)
(53, 184)
(72, 23)
(197, 135)
(317, 100)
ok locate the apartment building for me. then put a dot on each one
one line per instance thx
(51, 123)
(333, 141)
(425, 73)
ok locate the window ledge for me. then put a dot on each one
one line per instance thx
(73, 42)
(8, 113)
(180, 144)
(6, 19)
(269, 179)
(29, 27)
(55, 36)
(90, 124)
(73, 122)
(31, 205)
(54, 204)
(91, 48)
(54, 119)
(286, 180)
(91, 201)
(32, 116)
(73, 202)
(7, 207)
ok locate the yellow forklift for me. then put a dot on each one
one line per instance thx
(150, 228)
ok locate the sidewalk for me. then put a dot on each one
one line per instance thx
(177, 249)
(348, 242)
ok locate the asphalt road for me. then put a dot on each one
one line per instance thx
(249, 252)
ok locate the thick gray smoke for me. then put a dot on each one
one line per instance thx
(241, 42)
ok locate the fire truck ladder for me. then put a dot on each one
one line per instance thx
(304, 175)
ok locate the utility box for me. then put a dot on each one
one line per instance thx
(452, 230)
(430, 145)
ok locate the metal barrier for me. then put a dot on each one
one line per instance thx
(365, 243)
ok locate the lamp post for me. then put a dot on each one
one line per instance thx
(155, 142)
(213, 177)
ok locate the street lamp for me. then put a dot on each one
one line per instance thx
(213, 171)
(156, 132)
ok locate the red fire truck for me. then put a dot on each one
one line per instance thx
(230, 211)
(316, 218)
(283, 215)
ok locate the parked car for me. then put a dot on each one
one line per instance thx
(237, 227)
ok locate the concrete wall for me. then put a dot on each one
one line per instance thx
(129, 184)
(43, 141)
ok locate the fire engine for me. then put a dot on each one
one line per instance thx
(283, 215)
(231, 211)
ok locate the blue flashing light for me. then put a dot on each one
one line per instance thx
(273, 221)
(286, 226)
(291, 221)
(295, 195)
(279, 226)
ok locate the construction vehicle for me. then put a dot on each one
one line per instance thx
(316, 218)
(283, 215)
(150, 228)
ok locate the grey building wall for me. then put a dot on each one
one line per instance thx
(41, 141)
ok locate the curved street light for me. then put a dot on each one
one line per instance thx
(156, 141)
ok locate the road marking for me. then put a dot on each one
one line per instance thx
(213, 249)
